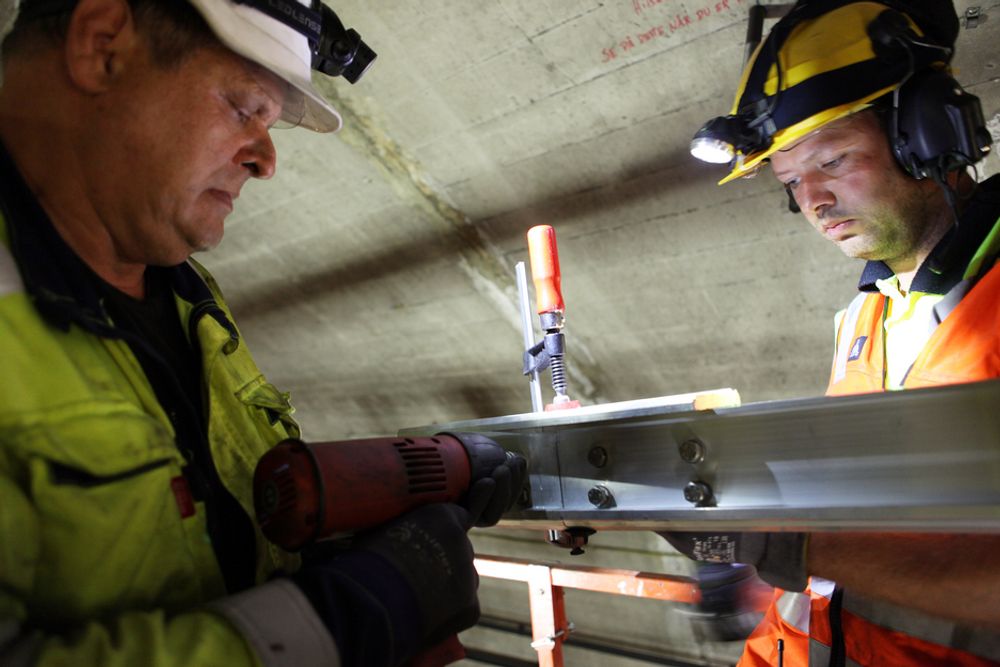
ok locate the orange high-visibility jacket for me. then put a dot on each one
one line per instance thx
(965, 345)
(801, 629)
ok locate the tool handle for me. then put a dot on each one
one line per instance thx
(544, 257)
(448, 651)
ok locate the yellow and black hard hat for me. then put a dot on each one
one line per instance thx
(824, 60)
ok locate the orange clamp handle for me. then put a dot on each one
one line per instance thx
(544, 257)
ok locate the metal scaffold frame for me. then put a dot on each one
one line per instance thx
(546, 582)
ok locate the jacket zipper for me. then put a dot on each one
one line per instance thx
(65, 475)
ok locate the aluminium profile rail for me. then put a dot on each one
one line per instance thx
(920, 460)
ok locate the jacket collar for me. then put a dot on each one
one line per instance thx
(980, 216)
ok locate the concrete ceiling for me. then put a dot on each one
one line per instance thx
(374, 275)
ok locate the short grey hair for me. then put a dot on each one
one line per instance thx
(174, 29)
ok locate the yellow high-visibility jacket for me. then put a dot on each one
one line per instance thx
(102, 560)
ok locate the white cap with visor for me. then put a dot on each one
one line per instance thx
(289, 38)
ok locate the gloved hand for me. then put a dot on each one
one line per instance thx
(732, 602)
(489, 497)
(402, 587)
(780, 558)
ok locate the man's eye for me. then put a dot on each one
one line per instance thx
(791, 184)
(239, 110)
(834, 163)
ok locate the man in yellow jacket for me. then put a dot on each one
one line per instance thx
(131, 413)
(853, 106)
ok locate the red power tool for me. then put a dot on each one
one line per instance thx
(308, 492)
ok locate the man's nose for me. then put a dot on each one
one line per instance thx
(259, 155)
(813, 195)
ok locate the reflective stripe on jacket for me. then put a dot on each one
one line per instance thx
(104, 556)
(965, 345)
(809, 628)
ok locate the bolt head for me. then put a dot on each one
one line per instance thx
(597, 457)
(692, 451)
(698, 493)
(600, 497)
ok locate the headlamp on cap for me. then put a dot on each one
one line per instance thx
(340, 52)
(724, 138)
(336, 51)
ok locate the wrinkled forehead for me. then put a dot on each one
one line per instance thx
(285, 99)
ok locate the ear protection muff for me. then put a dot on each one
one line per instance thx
(934, 125)
(937, 126)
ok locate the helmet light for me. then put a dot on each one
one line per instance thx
(721, 139)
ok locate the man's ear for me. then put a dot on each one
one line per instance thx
(100, 39)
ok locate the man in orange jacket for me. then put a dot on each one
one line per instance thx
(853, 105)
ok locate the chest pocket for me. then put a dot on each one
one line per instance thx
(112, 534)
(269, 409)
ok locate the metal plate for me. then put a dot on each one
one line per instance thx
(919, 460)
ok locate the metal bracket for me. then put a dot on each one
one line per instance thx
(973, 15)
(550, 641)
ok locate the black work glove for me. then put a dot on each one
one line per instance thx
(400, 588)
(732, 601)
(497, 491)
(780, 558)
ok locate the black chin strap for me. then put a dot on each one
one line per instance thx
(945, 257)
